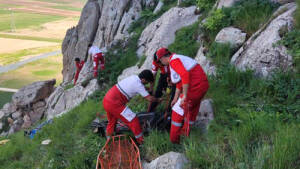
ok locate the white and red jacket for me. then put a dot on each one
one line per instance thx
(132, 86)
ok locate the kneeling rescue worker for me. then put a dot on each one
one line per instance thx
(118, 96)
(191, 86)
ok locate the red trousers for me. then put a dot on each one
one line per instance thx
(96, 58)
(182, 118)
(114, 103)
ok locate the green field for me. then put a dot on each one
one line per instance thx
(43, 69)
(10, 58)
(65, 7)
(5, 97)
(23, 20)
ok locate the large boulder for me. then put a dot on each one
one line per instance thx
(62, 101)
(33, 93)
(161, 32)
(235, 37)
(171, 160)
(206, 114)
(259, 53)
(282, 1)
(26, 108)
(206, 63)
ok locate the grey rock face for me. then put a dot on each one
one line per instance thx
(161, 33)
(205, 62)
(62, 101)
(225, 3)
(282, 1)
(171, 160)
(206, 114)
(158, 7)
(235, 37)
(33, 93)
(259, 52)
(102, 23)
(76, 41)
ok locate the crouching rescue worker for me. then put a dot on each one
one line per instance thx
(97, 56)
(118, 96)
(79, 64)
(191, 86)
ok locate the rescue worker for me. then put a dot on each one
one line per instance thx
(79, 64)
(191, 86)
(162, 82)
(97, 56)
(115, 100)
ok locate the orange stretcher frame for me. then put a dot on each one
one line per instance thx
(119, 152)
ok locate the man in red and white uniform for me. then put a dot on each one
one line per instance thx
(118, 96)
(97, 56)
(79, 64)
(191, 85)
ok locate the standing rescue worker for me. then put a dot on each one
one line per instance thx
(162, 82)
(97, 56)
(119, 95)
(191, 86)
(79, 64)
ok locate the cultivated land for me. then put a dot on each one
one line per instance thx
(32, 27)
(43, 69)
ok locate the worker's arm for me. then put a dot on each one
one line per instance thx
(185, 77)
(153, 99)
(176, 96)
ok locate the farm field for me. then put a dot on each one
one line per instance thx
(29, 28)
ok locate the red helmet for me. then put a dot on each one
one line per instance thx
(162, 52)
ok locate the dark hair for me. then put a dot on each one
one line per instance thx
(168, 53)
(155, 57)
(147, 75)
(90, 44)
(77, 60)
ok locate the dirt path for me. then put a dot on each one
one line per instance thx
(18, 64)
(8, 90)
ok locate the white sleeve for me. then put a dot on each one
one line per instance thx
(142, 91)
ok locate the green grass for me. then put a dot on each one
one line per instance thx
(43, 69)
(10, 58)
(5, 97)
(30, 38)
(24, 20)
(70, 8)
(186, 41)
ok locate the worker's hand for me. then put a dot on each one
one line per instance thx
(173, 102)
(182, 101)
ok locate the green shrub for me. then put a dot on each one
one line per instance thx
(215, 21)
(292, 41)
(186, 41)
(249, 15)
(205, 5)
(220, 53)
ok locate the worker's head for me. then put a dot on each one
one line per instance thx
(146, 76)
(163, 56)
(77, 60)
(90, 45)
(156, 60)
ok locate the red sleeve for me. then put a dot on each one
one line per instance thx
(81, 64)
(154, 66)
(179, 68)
(179, 85)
